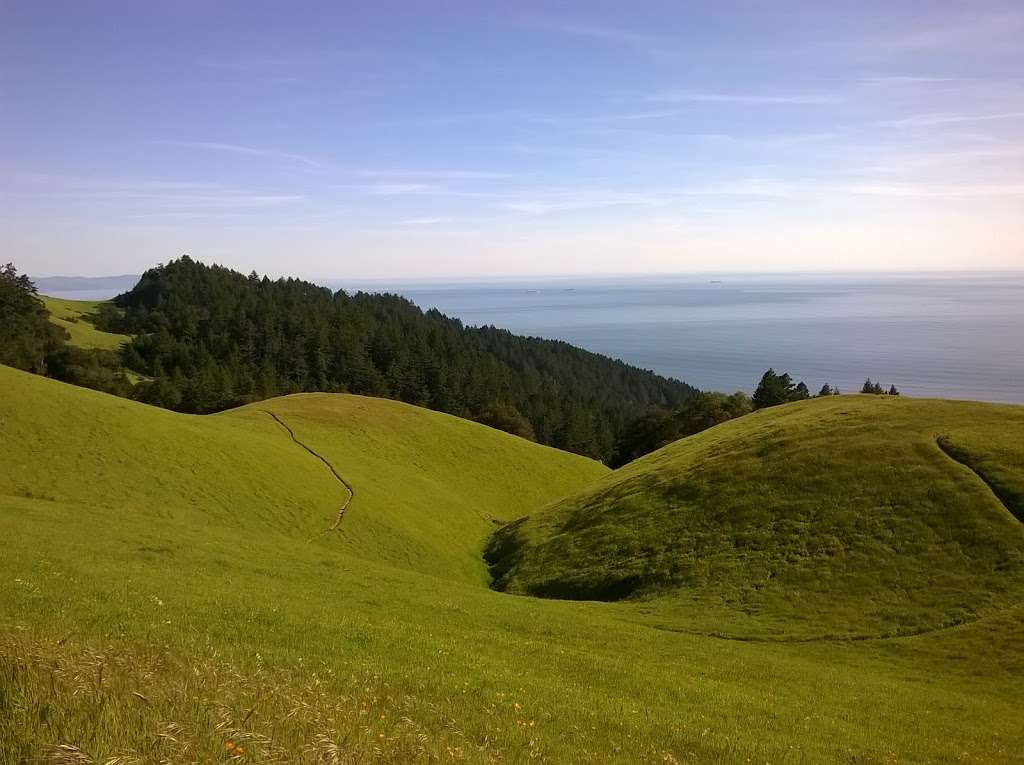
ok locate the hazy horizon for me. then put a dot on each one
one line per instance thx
(336, 141)
(595, 276)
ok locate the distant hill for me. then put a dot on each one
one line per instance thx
(78, 319)
(847, 515)
(96, 287)
(210, 338)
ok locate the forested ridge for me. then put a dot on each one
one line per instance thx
(209, 338)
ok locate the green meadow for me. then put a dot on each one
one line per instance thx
(76, 318)
(830, 581)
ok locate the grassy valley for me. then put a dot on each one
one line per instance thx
(512, 383)
(172, 585)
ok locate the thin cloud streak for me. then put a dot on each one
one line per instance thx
(158, 194)
(932, 120)
(422, 221)
(747, 99)
(399, 189)
(249, 151)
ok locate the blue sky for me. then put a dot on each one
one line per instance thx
(444, 139)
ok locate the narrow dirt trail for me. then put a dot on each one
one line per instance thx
(351, 492)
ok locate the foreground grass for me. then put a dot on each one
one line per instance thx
(181, 559)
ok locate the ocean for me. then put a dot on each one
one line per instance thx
(949, 336)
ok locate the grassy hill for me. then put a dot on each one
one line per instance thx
(429, 487)
(170, 583)
(74, 316)
(841, 515)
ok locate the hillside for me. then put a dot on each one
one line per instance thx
(422, 478)
(76, 317)
(171, 584)
(211, 338)
(839, 515)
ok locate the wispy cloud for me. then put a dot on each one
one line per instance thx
(931, 120)
(640, 42)
(615, 35)
(568, 200)
(399, 189)
(427, 221)
(248, 151)
(747, 99)
(940, 191)
(904, 79)
(149, 196)
(966, 31)
(443, 175)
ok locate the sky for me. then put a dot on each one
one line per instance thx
(471, 139)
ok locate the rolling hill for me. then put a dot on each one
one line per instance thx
(424, 479)
(75, 317)
(842, 515)
(172, 584)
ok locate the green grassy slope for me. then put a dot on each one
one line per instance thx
(165, 586)
(429, 487)
(833, 516)
(423, 478)
(73, 316)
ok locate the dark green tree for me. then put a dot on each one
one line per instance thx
(211, 338)
(26, 334)
(655, 429)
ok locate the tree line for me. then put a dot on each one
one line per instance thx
(30, 341)
(206, 338)
(655, 429)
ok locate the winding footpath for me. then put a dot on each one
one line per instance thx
(351, 492)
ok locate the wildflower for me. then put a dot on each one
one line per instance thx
(229, 745)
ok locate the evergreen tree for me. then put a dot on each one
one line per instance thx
(26, 334)
(231, 338)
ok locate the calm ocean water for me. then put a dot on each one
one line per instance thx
(950, 336)
(945, 336)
